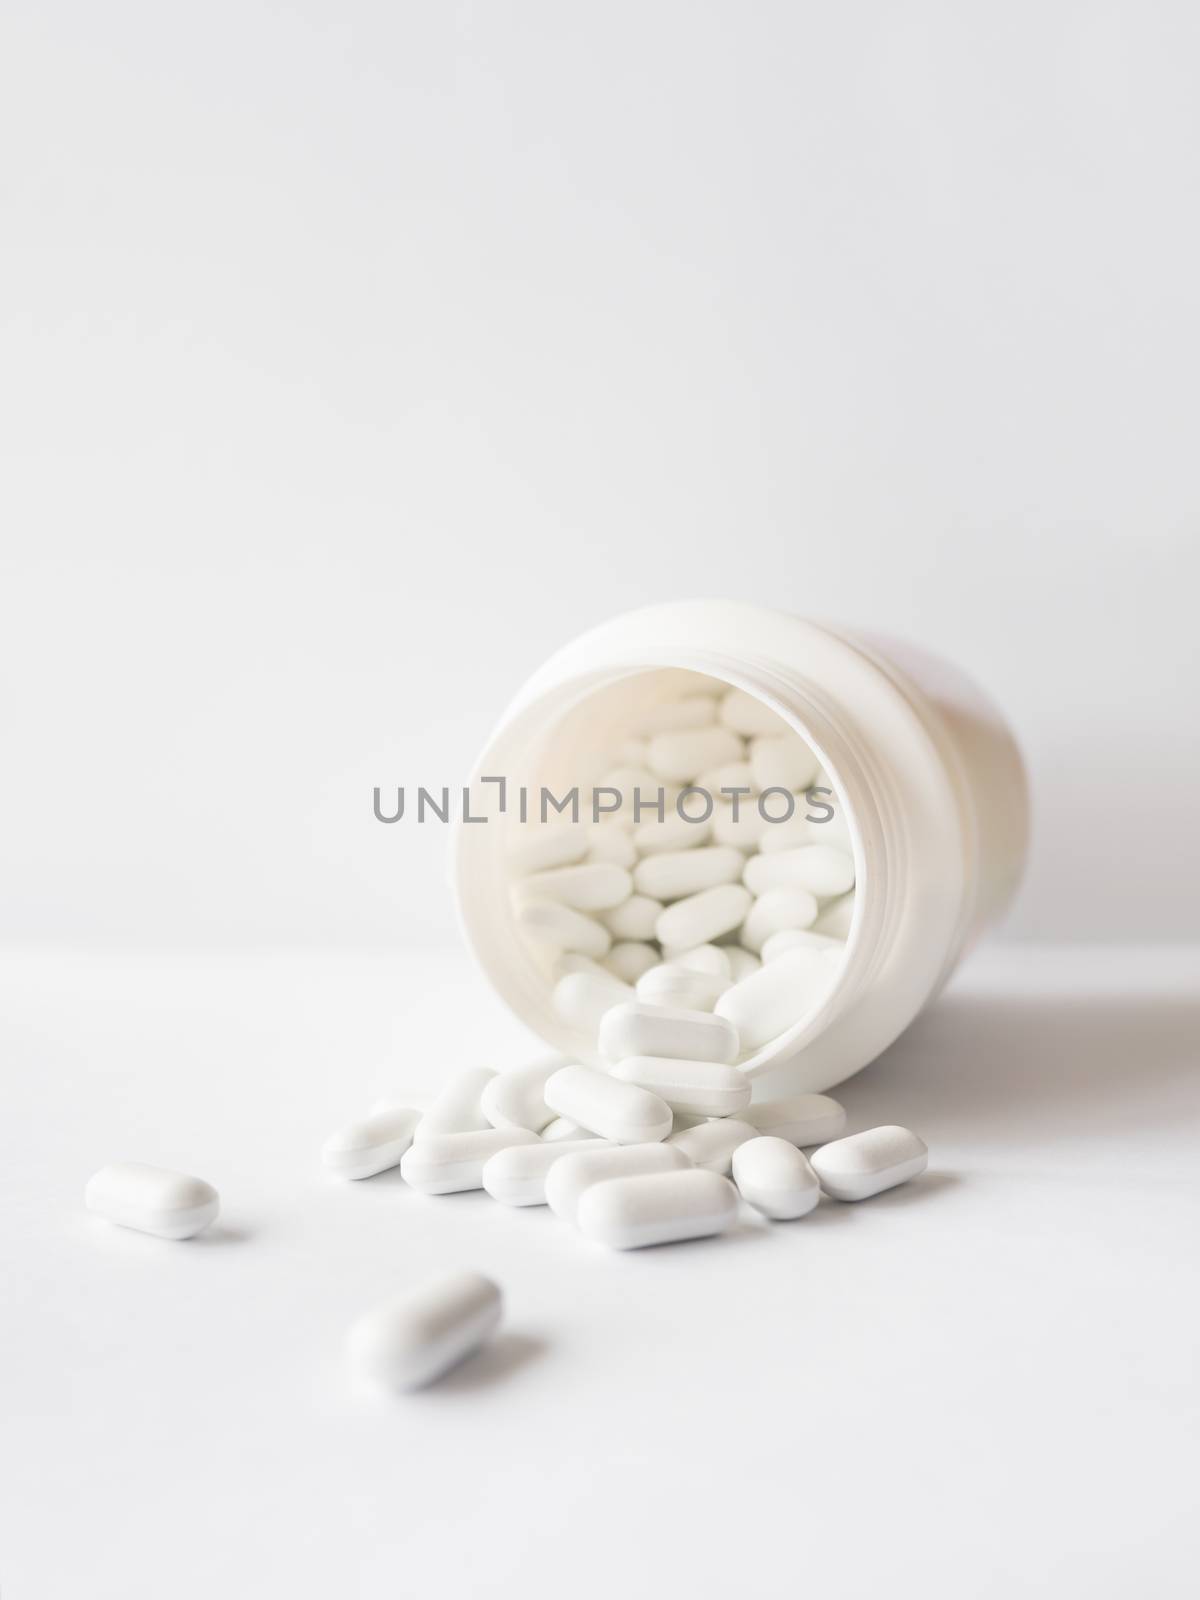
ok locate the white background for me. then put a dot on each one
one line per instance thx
(352, 358)
(356, 356)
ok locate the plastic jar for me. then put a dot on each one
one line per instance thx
(930, 776)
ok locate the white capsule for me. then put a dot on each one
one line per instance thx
(818, 868)
(801, 1119)
(868, 1163)
(373, 1145)
(782, 761)
(539, 847)
(743, 832)
(682, 757)
(592, 886)
(746, 715)
(418, 1336)
(563, 928)
(630, 959)
(457, 1108)
(658, 1208)
(709, 958)
(676, 833)
(517, 1176)
(775, 910)
(446, 1163)
(672, 984)
(733, 775)
(777, 996)
(569, 962)
(741, 962)
(775, 1178)
(569, 1178)
(638, 1029)
(563, 1131)
(702, 917)
(711, 1144)
(792, 834)
(674, 716)
(615, 1110)
(676, 873)
(836, 918)
(628, 783)
(172, 1205)
(796, 939)
(696, 1088)
(612, 843)
(516, 1098)
(636, 919)
(582, 998)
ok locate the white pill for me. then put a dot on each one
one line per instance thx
(676, 833)
(571, 1177)
(446, 1163)
(593, 886)
(710, 958)
(658, 1208)
(639, 1029)
(673, 716)
(636, 919)
(775, 910)
(672, 984)
(868, 1163)
(618, 1111)
(682, 757)
(373, 1145)
(790, 834)
(562, 1131)
(741, 962)
(744, 831)
(613, 843)
(796, 939)
(457, 1107)
(801, 1119)
(537, 847)
(172, 1205)
(733, 775)
(517, 1176)
(563, 928)
(418, 1336)
(777, 996)
(676, 873)
(743, 713)
(711, 1144)
(703, 917)
(819, 868)
(696, 1088)
(516, 1098)
(836, 918)
(775, 1178)
(784, 761)
(629, 783)
(582, 998)
(565, 964)
(630, 960)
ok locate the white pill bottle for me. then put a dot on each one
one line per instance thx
(931, 778)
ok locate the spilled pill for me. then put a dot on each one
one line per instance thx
(457, 1107)
(516, 1098)
(373, 1145)
(418, 1336)
(868, 1163)
(775, 1178)
(569, 1178)
(695, 1088)
(619, 1111)
(639, 1029)
(447, 1163)
(657, 1208)
(517, 1176)
(711, 1144)
(172, 1205)
(801, 1119)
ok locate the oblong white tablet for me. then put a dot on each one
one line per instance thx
(676, 873)
(457, 1107)
(570, 1177)
(563, 928)
(776, 910)
(744, 714)
(631, 959)
(516, 1098)
(782, 761)
(672, 716)
(775, 1178)
(517, 1176)
(696, 1088)
(797, 939)
(681, 757)
(676, 833)
(562, 1130)
(777, 996)
(670, 983)
(711, 1144)
(704, 917)
(657, 1208)
(801, 1119)
(819, 868)
(378, 1142)
(635, 919)
(836, 917)
(538, 847)
(638, 1029)
(591, 886)
(171, 1205)
(418, 1336)
(447, 1163)
(582, 998)
(868, 1163)
(618, 1111)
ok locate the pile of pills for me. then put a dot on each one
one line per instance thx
(720, 878)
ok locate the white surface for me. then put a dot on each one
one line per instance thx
(356, 356)
(979, 1385)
